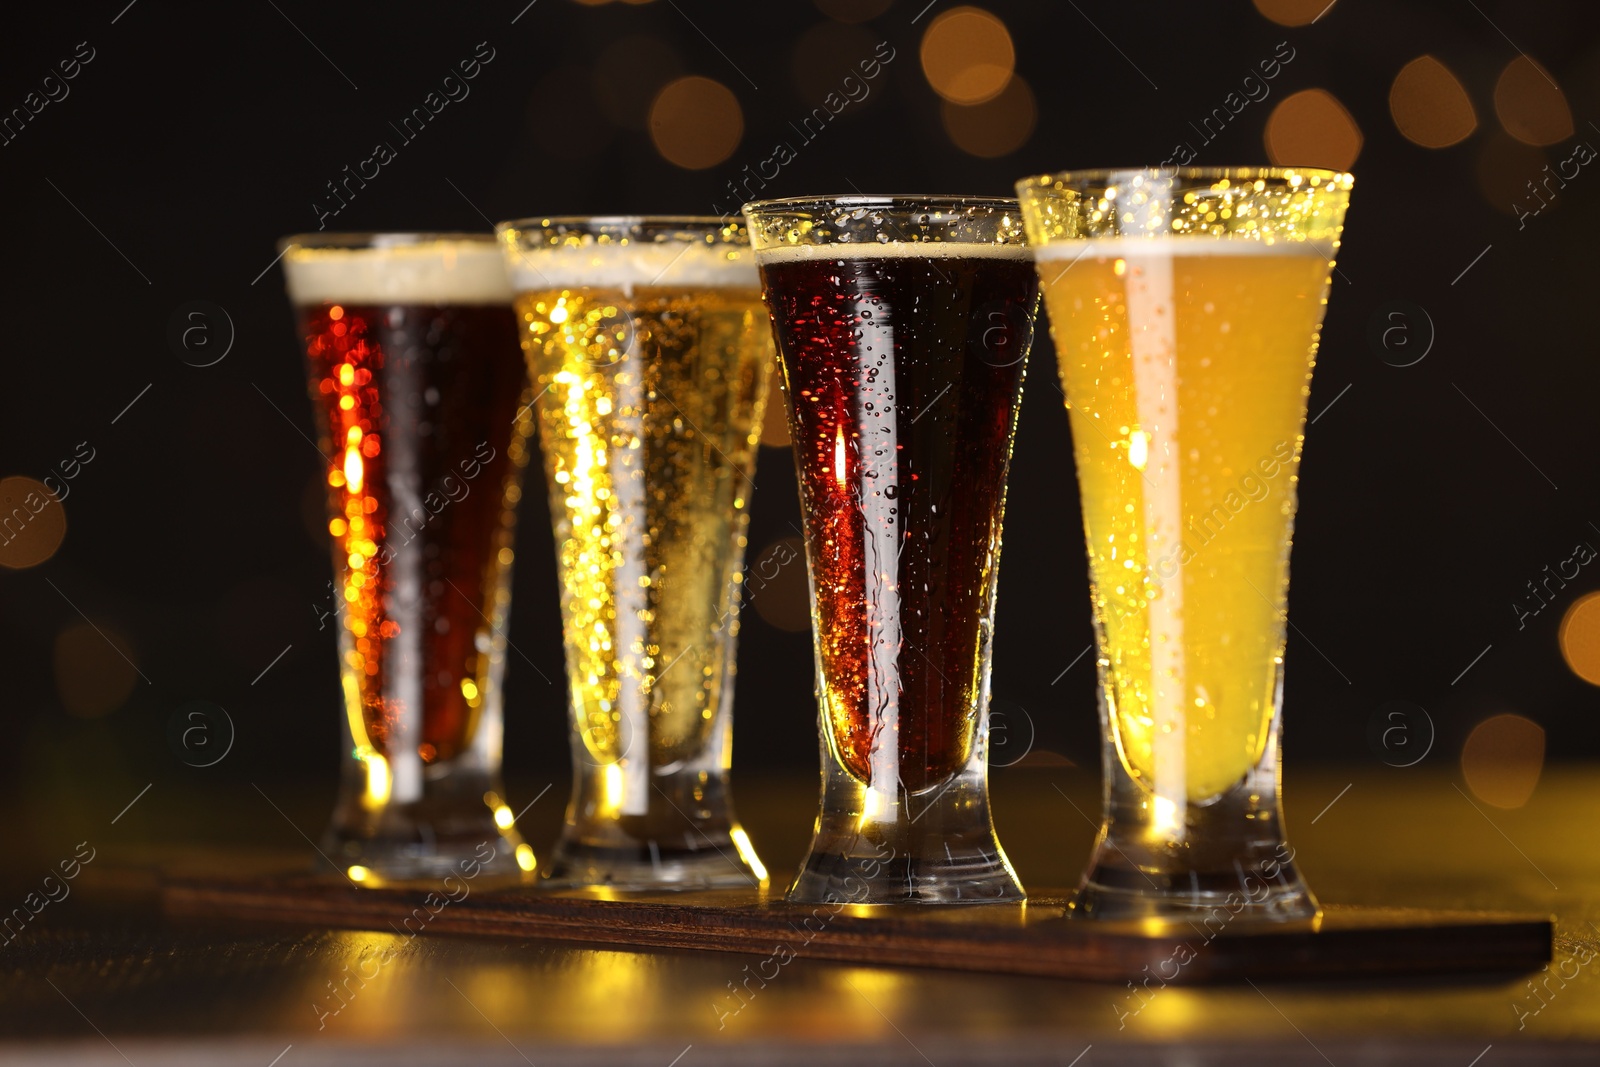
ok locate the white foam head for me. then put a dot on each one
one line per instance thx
(681, 264)
(444, 271)
(1169, 246)
(894, 250)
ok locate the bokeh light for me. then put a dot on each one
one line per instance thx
(1294, 12)
(696, 122)
(853, 10)
(1502, 760)
(1530, 105)
(32, 522)
(827, 54)
(1430, 105)
(967, 55)
(1580, 638)
(94, 669)
(1312, 129)
(1504, 168)
(628, 73)
(995, 128)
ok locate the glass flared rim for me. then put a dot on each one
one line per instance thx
(357, 239)
(900, 201)
(1104, 175)
(710, 223)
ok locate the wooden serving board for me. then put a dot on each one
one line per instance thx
(1035, 938)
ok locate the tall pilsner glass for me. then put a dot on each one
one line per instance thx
(903, 326)
(1185, 307)
(649, 356)
(416, 383)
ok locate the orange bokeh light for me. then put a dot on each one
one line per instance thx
(1580, 638)
(1312, 128)
(996, 128)
(1530, 105)
(696, 122)
(1294, 12)
(1429, 104)
(967, 55)
(1502, 760)
(33, 522)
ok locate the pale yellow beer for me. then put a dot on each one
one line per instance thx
(1186, 363)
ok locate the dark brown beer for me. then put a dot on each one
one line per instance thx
(903, 368)
(418, 409)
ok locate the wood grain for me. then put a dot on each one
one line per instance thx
(1037, 938)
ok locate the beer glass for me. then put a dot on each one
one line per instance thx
(903, 326)
(649, 356)
(416, 382)
(1185, 307)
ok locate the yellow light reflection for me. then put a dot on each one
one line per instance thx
(1138, 449)
(612, 800)
(1166, 817)
(358, 873)
(747, 852)
(378, 780)
(353, 471)
(525, 858)
(872, 805)
(503, 817)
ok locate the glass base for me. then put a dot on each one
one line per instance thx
(938, 847)
(687, 838)
(717, 865)
(1115, 888)
(1219, 860)
(447, 831)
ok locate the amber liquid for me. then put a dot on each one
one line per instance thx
(418, 408)
(902, 375)
(649, 405)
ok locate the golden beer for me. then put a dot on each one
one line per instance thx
(648, 458)
(649, 350)
(1186, 364)
(1186, 307)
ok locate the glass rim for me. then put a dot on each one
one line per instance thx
(1252, 171)
(905, 201)
(548, 222)
(378, 239)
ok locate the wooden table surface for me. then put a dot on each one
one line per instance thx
(101, 978)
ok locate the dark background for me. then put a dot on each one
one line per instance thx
(199, 134)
